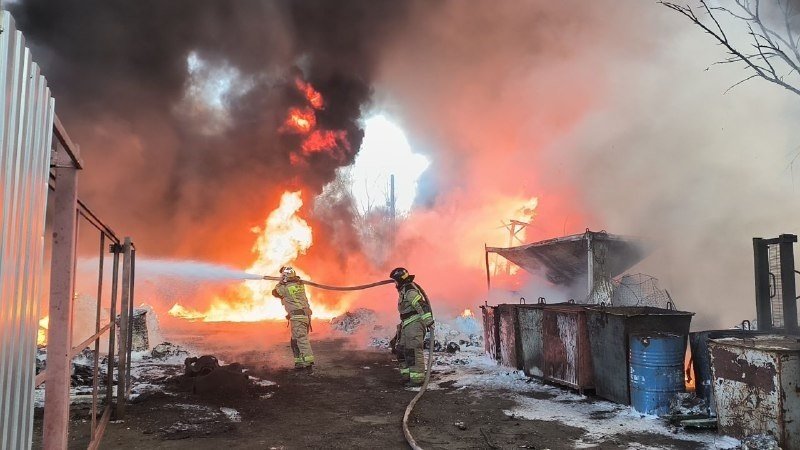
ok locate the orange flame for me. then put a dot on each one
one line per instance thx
(312, 95)
(299, 121)
(467, 314)
(324, 140)
(41, 335)
(283, 238)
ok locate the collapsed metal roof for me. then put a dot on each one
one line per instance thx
(564, 260)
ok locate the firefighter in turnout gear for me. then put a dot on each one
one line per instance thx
(416, 318)
(292, 293)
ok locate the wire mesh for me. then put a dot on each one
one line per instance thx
(639, 290)
(775, 285)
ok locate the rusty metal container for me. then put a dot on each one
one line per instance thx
(756, 387)
(491, 336)
(610, 329)
(508, 330)
(701, 360)
(567, 351)
(531, 337)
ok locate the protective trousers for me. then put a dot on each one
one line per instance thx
(412, 362)
(301, 345)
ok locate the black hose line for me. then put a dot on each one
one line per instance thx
(335, 288)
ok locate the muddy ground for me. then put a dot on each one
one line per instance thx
(353, 400)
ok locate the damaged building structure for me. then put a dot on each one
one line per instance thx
(628, 344)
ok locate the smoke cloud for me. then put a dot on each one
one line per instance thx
(609, 113)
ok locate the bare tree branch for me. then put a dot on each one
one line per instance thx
(777, 52)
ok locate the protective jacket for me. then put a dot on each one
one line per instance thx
(414, 305)
(293, 297)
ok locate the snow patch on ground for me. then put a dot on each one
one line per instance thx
(471, 370)
(232, 414)
(262, 383)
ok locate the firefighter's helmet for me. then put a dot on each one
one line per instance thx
(401, 276)
(287, 272)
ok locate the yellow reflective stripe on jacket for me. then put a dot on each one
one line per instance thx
(416, 317)
(411, 319)
(416, 300)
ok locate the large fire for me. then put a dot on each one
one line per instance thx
(283, 238)
(303, 121)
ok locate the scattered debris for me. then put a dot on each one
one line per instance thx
(203, 365)
(381, 343)
(760, 442)
(460, 425)
(452, 347)
(166, 350)
(350, 322)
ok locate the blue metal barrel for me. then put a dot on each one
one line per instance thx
(656, 371)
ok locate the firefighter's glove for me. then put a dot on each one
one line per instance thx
(275, 293)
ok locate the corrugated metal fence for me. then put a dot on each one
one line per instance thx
(26, 124)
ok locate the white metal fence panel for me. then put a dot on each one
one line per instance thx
(26, 131)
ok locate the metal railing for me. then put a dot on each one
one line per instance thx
(117, 248)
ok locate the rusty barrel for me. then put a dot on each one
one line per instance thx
(656, 371)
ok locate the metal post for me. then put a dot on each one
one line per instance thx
(130, 318)
(115, 249)
(123, 329)
(486, 258)
(788, 289)
(589, 263)
(761, 264)
(56, 410)
(95, 369)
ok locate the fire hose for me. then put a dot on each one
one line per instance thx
(409, 438)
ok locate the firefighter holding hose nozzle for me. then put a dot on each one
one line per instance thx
(416, 317)
(292, 293)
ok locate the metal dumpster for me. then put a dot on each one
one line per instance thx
(566, 349)
(756, 387)
(491, 337)
(508, 330)
(610, 329)
(701, 360)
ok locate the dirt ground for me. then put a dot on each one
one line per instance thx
(353, 400)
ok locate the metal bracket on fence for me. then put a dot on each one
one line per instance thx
(749, 325)
(541, 300)
(670, 305)
(522, 300)
(572, 301)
